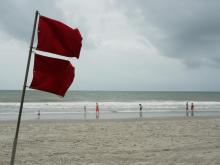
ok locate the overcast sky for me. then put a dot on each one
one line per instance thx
(127, 44)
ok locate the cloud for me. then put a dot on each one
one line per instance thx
(17, 17)
(127, 45)
(186, 30)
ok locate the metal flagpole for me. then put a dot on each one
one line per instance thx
(23, 92)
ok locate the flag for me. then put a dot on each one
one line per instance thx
(52, 75)
(58, 38)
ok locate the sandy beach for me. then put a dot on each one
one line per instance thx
(179, 140)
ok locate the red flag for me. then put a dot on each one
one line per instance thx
(52, 75)
(58, 38)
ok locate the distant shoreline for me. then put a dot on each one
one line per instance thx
(161, 118)
(117, 90)
(107, 116)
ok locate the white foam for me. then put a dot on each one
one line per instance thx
(74, 107)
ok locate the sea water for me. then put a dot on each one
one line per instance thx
(112, 104)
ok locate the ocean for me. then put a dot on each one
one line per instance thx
(112, 104)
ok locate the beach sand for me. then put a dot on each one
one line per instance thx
(154, 141)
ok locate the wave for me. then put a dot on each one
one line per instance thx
(78, 107)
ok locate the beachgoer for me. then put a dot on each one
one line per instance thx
(192, 109)
(187, 108)
(84, 109)
(141, 108)
(97, 111)
(38, 114)
(84, 112)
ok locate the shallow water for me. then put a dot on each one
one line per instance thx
(113, 104)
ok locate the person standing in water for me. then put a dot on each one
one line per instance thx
(187, 109)
(84, 112)
(141, 108)
(97, 111)
(38, 114)
(192, 109)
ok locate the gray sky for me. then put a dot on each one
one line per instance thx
(127, 44)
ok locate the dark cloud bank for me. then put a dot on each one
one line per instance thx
(188, 30)
(17, 17)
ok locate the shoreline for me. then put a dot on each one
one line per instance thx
(155, 118)
(105, 115)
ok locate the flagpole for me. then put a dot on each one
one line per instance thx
(23, 92)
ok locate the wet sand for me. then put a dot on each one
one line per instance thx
(150, 141)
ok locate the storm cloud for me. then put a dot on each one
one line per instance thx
(16, 17)
(187, 30)
(127, 45)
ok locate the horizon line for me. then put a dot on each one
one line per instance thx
(101, 90)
